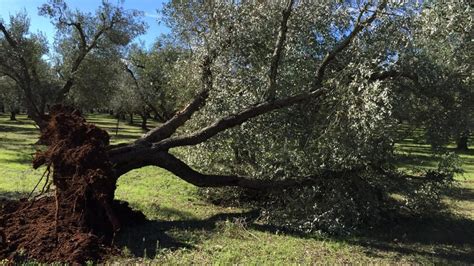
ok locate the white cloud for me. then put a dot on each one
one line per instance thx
(150, 15)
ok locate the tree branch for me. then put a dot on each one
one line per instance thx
(183, 171)
(142, 96)
(79, 29)
(262, 108)
(169, 127)
(10, 72)
(235, 119)
(393, 74)
(276, 57)
(8, 37)
(136, 155)
(82, 54)
(150, 156)
(358, 27)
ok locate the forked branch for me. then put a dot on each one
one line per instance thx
(234, 120)
(170, 127)
(84, 50)
(268, 106)
(358, 27)
(160, 141)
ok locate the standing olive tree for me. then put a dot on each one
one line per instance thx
(149, 82)
(80, 34)
(10, 97)
(445, 72)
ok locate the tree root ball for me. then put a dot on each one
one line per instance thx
(78, 221)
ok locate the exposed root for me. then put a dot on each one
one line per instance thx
(77, 223)
(46, 172)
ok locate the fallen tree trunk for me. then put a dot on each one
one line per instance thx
(81, 218)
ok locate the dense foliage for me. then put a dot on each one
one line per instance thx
(383, 82)
(404, 66)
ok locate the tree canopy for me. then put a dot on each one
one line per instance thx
(306, 99)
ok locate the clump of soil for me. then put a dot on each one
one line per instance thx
(78, 222)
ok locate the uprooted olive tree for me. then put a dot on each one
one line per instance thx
(292, 109)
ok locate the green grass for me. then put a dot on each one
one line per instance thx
(415, 152)
(185, 230)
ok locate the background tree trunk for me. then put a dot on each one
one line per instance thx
(144, 117)
(13, 116)
(462, 142)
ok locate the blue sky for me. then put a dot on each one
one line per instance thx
(38, 23)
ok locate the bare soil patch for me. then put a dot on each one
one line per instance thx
(79, 220)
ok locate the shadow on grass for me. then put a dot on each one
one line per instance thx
(423, 158)
(170, 212)
(23, 160)
(444, 237)
(12, 195)
(441, 238)
(17, 122)
(412, 147)
(13, 141)
(146, 239)
(18, 130)
(461, 193)
(417, 159)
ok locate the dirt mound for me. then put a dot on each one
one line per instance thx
(78, 223)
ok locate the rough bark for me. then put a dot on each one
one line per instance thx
(141, 156)
(236, 119)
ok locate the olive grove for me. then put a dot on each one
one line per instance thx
(296, 107)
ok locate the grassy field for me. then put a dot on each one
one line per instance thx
(184, 230)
